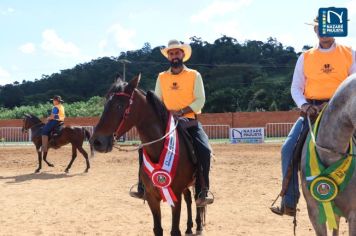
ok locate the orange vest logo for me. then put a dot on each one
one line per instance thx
(327, 69)
(175, 86)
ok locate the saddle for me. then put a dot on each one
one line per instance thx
(57, 130)
(184, 125)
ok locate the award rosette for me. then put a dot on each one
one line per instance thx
(161, 179)
(323, 189)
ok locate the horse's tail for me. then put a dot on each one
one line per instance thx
(87, 136)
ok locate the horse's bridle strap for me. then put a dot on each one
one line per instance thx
(127, 110)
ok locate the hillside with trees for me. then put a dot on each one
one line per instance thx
(248, 76)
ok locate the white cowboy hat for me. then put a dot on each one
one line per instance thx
(172, 44)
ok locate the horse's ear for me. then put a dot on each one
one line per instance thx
(26, 115)
(134, 82)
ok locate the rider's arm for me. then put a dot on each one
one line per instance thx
(158, 90)
(199, 95)
(298, 83)
(55, 112)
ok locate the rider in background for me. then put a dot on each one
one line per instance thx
(318, 73)
(182, 91)
(57, 115)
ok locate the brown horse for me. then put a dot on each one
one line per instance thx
(72, 135)
(128, 106)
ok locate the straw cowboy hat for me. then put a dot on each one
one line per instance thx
(57, 98)
(172, 44)
(315, 22)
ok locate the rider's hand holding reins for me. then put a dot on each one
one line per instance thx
(309, 109)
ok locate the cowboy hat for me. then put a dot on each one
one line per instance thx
(57, 98)
(316, 21)
(173, 44)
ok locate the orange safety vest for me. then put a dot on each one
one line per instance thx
(61, 113)
(324, 71)
(178, 90)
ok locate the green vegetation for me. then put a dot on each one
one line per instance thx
(93, 107)
(248, 76)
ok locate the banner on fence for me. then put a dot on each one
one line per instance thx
(247, 135)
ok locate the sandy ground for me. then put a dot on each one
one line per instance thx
(245, 180)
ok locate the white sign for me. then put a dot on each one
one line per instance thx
(247, 135)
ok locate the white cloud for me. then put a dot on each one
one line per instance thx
(123, 37)
(117, 38)
(27, 48)
(55, 45)
(219, 8)
(8, 11)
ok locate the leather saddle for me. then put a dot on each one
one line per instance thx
(183, 127)
(57, 130)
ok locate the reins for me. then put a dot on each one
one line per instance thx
(141, 145)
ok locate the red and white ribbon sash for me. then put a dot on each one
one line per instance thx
(162, 174)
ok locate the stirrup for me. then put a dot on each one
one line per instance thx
(138, 194)
(202, 201)
(282, 209)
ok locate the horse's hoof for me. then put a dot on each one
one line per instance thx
(66, 171)
(50, 165)
(86, 170)
(37, 171)
(199, 232)
(188, 234)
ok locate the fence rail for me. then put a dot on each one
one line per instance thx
(277, 130)
(15, 135)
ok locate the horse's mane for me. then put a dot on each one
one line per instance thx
(158, 106)
(34, 118)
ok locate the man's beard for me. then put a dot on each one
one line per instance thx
(176, 63)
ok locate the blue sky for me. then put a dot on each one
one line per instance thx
(41, 37)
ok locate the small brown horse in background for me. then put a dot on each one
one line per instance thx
(72, 135)
(125, 103)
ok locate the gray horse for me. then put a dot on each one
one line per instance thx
(337, 126)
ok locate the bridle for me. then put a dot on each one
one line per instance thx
(125, 117)
(127, 110)
(26, 130)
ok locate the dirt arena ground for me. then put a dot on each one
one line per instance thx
(245, 180)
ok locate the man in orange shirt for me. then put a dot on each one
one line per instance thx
(182, 91)
(318, 73)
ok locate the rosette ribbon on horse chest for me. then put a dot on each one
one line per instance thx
(325, 183)
(162, 174)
